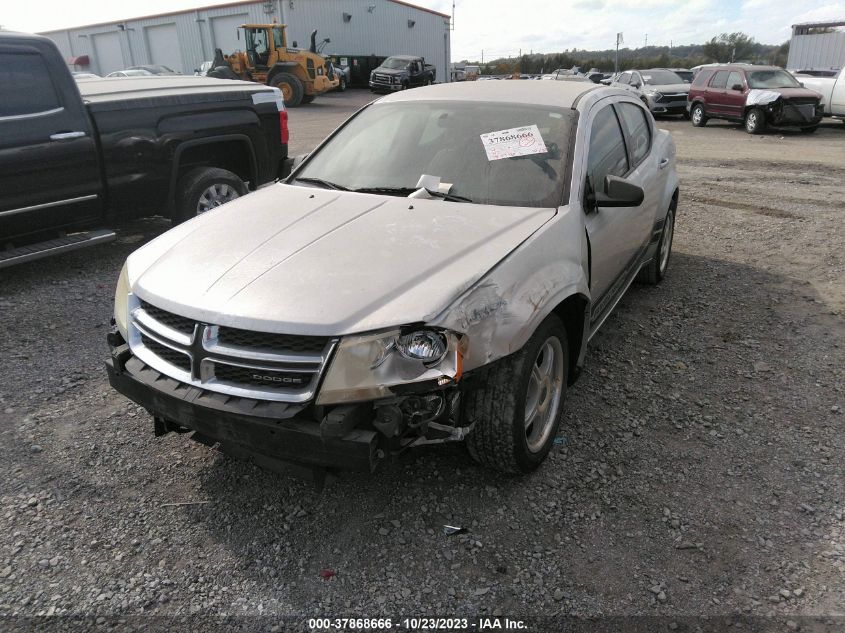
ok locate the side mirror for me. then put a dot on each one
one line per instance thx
(737, 87)
(620, 193)
(290, 164)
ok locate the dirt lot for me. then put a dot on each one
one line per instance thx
(699, 470)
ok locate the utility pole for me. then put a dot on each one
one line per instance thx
(482, 56)
(616, 63)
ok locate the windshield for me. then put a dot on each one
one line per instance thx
(394, 63)
(660, 77)
(771, 79)
(390, 145)
(686, 75)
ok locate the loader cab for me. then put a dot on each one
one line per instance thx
(264, 43)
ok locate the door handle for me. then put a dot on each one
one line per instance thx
(663, 162)
(66, 136)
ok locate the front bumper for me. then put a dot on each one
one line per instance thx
(667, 107)
(377, 86)
(784, 113)
(272, 429)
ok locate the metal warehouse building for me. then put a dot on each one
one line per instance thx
(183, 40)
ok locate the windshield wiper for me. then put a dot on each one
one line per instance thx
(404, 191)
(323, 183)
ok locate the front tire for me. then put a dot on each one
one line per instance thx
(655, 270)
(517, 406)
(698, 116)
(755, 121)
(291, 87)
(203, 189)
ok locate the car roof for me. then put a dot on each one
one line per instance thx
(562, 94)
(404, 56)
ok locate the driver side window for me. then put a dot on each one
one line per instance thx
(607, 155)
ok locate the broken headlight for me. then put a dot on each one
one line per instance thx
(429, 346)
(379, 365)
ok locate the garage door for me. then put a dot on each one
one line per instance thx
(225, 33)
(107, 54)
(163, 44)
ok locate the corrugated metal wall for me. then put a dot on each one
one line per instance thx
(374, 27)
(818, 51)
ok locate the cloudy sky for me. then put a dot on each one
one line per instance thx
(503, 27)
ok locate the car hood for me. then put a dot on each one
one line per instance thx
(303, 260)
(667, 88)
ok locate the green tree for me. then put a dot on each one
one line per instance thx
(730, 47)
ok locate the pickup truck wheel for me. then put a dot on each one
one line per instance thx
(697, 115)
(655, 270)
(291, 87)
(203, 189)
(755, 121)
(517, 408)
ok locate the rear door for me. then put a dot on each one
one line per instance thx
(617, 235)
(49, 175)
(716, 90)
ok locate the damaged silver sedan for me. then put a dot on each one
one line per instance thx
(432, 272)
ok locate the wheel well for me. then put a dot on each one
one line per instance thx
(573, 312)
(231, 155)
(291, 68)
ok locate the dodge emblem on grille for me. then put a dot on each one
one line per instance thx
(285, 379)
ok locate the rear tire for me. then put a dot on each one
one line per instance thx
(655, 270)
(755, 121)
(698, 115)
(291, 87)
(203, 189)
(529, 385)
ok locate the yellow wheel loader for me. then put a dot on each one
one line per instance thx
(300, 75)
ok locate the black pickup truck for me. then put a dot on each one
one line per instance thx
(401, 72)
(76, 157)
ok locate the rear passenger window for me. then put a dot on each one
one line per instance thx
(624, 78)
(720, 79)
(637, 130)
(734, 79)
(607, 156)
(26, 85)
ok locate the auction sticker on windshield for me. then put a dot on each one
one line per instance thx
(517, 141)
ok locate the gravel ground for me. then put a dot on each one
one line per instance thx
(698, 473)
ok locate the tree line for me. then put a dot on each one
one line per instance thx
(727, 47)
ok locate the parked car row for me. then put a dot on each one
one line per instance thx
(756, 96)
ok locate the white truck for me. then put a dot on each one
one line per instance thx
(832, 90)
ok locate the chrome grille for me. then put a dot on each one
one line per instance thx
(258, 365)
(385, 79)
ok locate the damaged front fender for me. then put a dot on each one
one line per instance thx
(501, 311)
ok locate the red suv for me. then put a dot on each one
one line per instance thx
(758, 96)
